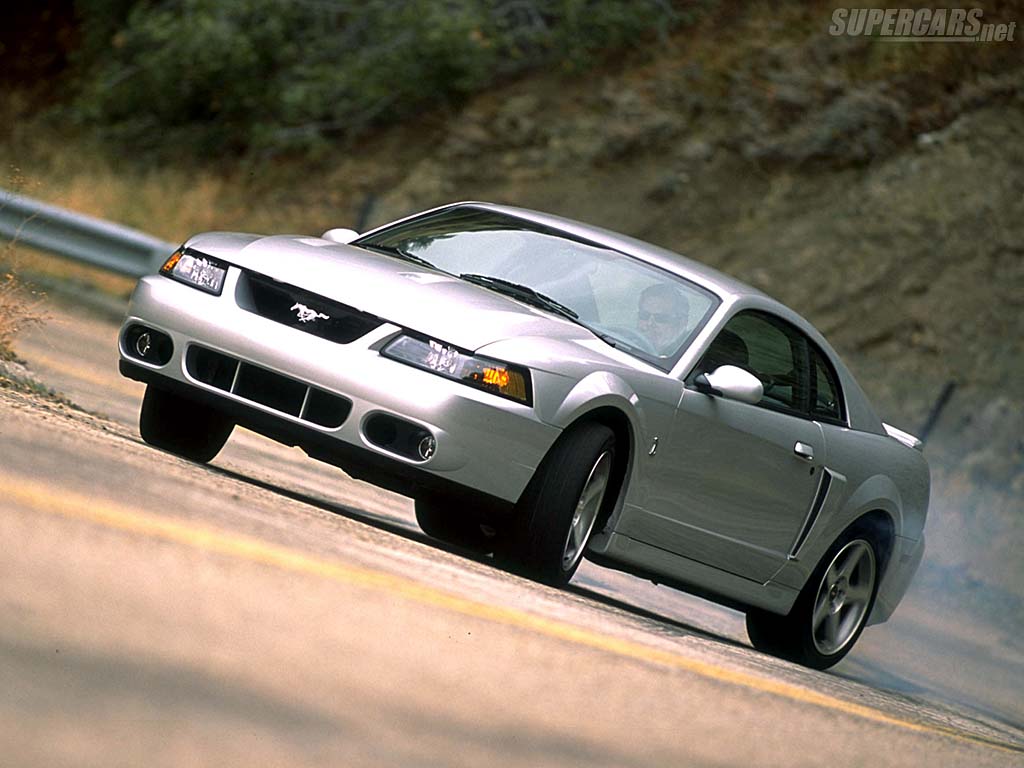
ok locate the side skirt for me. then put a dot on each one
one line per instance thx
(622, 553)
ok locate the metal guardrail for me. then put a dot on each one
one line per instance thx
(76, 236)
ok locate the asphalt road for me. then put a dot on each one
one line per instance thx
(267, 610)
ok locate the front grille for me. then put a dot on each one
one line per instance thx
(306, 311)
(270, 389)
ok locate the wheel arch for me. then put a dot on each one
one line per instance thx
(625, 449)
(616, 419)
(879, 517)
(879, 524)
(876, 504)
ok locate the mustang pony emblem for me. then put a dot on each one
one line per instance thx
(307, 315)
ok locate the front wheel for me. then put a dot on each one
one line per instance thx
(830, 612)
(182, 426)
(562, 504)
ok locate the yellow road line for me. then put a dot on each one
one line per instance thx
(42, 498)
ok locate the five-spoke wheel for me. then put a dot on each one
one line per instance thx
(831, 610)
(843, 598)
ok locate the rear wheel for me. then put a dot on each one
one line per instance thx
(561, 505)
(442, 520)
(830, 612)
(182, 426)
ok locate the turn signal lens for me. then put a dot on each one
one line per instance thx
(172, 262)
(508, 381)
(497, 377)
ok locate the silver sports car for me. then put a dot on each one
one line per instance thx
(546, 390)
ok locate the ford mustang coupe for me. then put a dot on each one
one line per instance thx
(546, 390)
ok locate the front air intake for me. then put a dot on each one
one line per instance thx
(270, 389)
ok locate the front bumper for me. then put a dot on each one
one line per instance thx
(484, 443)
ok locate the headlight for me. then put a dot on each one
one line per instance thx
(196, 269)
(493, 376)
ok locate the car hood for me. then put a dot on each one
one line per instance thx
(400, 292)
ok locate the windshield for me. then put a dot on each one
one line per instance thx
(639, 308)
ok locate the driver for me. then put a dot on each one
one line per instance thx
(662, 316)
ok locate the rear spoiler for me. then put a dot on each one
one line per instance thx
(904, 437)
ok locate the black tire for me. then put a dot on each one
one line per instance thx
(452, 524)
(182, 426)
(803, 636)
(540, 546)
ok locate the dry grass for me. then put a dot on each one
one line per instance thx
(172, 202)
(33, 267)
(19, 309)
(42, 157)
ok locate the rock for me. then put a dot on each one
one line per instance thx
(952, 132)
(664, 189)
(639, 133)
(515, 123)
(695, 149)
(467, 139)
(855, 129)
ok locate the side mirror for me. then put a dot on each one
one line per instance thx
(731, 382)
(340, 235)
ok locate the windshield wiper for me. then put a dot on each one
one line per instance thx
(522, 292)
(391, 250)
(528, 295)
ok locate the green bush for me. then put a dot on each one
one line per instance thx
(265, 75)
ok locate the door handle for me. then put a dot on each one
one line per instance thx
(804, 451)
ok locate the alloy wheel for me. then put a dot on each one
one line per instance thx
(587, 508)
(845, 592)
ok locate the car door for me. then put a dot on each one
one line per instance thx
(735, 481)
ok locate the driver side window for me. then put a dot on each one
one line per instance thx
(767, 347)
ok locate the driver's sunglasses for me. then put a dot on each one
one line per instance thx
(659, 317)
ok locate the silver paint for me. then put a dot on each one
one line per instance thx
(718, 504)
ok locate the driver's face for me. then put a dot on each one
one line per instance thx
(658, 321)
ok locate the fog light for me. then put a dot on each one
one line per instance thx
(395, 435)
(143, 344)
(147, 344)
(427, 447)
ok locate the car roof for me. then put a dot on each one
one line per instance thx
(731, 290)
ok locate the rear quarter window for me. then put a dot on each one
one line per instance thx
(826, 396)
